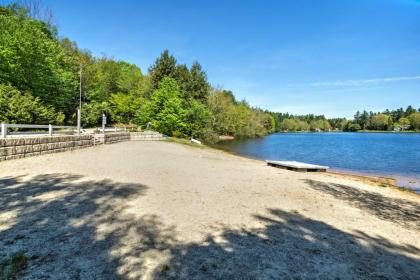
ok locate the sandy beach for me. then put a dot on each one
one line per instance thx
(160, 210)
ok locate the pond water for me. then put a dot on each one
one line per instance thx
(386, 154)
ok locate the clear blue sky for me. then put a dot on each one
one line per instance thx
(323, 57)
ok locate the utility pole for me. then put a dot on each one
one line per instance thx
(79, 111)
(80, 95)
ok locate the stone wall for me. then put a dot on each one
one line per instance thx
(146, 136)
(13, 148)
(114, 137)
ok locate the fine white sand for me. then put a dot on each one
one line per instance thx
(164, 210)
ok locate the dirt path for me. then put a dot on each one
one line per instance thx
(163, 210)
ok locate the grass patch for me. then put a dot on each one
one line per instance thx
(13, 265)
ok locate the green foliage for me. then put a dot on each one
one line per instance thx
(404, 123)
(353, 127)
(198, 87)
(92, 113)
(18, 107)
(415, 120)
(123, 107)
(379, 122)
(31, 59)
(288, 125)
(164, 66)
(165, 110)
(320, 125)
(338, 123)
(197, 119)
(237, 118)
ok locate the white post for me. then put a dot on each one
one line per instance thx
(103, 123)
(3, 130)
(50, 130)
(78, 121)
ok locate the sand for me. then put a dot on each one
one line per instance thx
(159, 210)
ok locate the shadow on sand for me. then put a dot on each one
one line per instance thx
(403, 212)
(291, 246)
(71, 228)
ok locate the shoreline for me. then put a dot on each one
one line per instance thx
(381, 180)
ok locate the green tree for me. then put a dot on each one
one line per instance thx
(318, 125)
(380, 121)
(364, 120)
(164, 111)
(123, 107)
(223, 112)
(198, 86)
(289, 125)
(164, 66)
(353, 127)
(415, 120)
(92, 113)
(404, 123)
(23, 108)
(31, 59)
(197, 119)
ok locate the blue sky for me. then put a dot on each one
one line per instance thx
(323, 57)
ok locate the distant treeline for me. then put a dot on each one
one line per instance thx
(397, 120)
(39, 84)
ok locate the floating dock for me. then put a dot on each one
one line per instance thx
(297, 166)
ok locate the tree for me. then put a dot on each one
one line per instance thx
(197, 118)
(31, 59)
(289, 125)
(164, 111)
(18, 107)
(415, 120)
(318, 125)
(123, 107)
(164, 66)
(410, 110)
(404, 123)
(198, 87)
(353, 127)
(92, 113)
(364, 120)
(223, 112)
(380, 122)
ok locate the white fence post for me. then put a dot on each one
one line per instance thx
(50, 130)
(79, 121)
(3, 130)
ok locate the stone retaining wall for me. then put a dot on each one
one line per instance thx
(13, 148)
(116, 137)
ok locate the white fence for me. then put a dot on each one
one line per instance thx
(113, 129)
(35, 129)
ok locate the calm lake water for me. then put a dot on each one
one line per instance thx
(390, 154)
